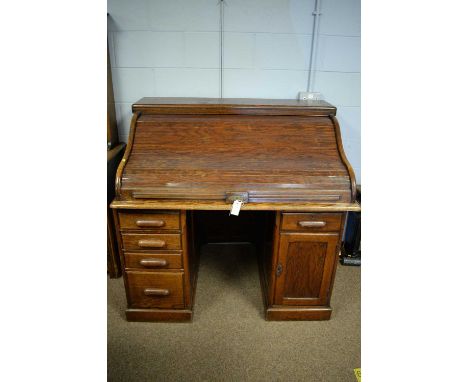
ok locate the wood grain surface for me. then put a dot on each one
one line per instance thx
(207, 150)
(307, 262)
(142, 204)
(239, 106)
(146, 241)
(160, 260)
(150, 220)
(141, 284)
(272, 159)
(305, 222)
(185, 155)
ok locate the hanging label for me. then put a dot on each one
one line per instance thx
(236, 206)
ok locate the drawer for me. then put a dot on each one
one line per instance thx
(153, 260)
(311, 222)
(163, 220)
(150, 241)
(155, 289)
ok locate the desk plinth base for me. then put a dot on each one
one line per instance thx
(298, 313)
(161, 315)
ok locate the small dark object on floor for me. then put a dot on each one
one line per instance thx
(349, 260)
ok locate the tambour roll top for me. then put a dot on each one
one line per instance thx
(259, 151)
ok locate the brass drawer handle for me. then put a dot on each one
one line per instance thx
(150, 223)
(156, 292)
(153, 262)
(309, 224)
(151, 243)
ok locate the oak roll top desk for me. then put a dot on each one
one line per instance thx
(185, 156)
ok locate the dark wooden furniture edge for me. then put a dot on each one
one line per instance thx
(185, 259)
(316, 313)
(159, 315)
(339, 142)
(114, 268)
(223, 206)
(128, 150)
(174, 105)
(115, 151)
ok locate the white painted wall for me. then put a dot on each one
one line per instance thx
(168, 48)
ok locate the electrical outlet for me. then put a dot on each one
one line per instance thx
(309, 96)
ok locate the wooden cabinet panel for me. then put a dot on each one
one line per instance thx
(305, 267)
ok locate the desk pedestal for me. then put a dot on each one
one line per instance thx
(297, 252)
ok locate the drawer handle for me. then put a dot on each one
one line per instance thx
(309, 224)
(156, 292)
(151, 243)
(153, 262)
(150, 223)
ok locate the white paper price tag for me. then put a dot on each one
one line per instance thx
(236, 206)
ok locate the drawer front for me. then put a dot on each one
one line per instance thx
(164, 220)
(150, 241)
(311, 222)
(153, 260)
(155, 289)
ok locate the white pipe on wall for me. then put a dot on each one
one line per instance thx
(221, 47)
(313, 48)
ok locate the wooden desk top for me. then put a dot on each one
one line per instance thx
(201, 151)
(255, 106)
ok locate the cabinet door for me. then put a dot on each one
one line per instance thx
(305, 268)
